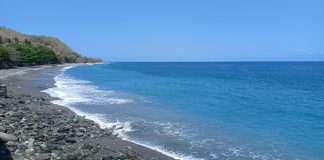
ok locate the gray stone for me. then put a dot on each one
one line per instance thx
(81, 129)
(3, 91)
(70, 140)
(30, 143)
(2, 129)
(7, 137)
(29, 151)
(128, 147)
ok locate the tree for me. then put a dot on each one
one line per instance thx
(1, 40)
(60, 59)
(70, 59)
(45, 55)
(4, 55)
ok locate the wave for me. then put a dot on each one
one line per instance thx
(73, 91)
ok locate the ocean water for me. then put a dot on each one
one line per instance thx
(270, 110)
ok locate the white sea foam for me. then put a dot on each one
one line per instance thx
(120, 128)
(213, 155)
(68, 67)
(171, 129)
(161, 149)
(71, 91)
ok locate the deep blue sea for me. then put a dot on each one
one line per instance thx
(235, 111)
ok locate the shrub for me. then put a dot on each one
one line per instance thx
(4, 55)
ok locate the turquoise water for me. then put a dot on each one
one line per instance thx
(272, 110)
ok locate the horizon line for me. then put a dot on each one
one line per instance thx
(203, 61)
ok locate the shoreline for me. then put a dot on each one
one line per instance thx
(120, 129)
(24, 92)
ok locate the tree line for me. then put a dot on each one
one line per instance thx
(16, 52)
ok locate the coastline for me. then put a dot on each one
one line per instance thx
(70, 135)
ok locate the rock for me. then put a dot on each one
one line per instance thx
(3, 91)
(128, 147)
(75, 120)
(9, 113)
(70, 140)
(30, 143)
(44, 156)
(119, 128)
(44, 124)
(71, 134)
(43, 145)
(108, 132)
(29, 151)
(95, 150)
(117, 155)
(54, 155)
(81, 129)
(7, 137)
(54, 147)
(2, 129)
(17, 151)
(86, 146)
(59, 137)
(44, 133)
(107, 158)
(21, 102)
(79, 134)
(2, 104)
(10, 143)
(63, 129)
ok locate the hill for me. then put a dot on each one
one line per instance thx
(18, 49)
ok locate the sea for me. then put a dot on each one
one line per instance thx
(204, 110)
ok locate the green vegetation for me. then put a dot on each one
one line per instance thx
(18, 49)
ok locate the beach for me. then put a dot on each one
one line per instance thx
(183, 111)
(202, 110)
(43, 130)
(162, 80)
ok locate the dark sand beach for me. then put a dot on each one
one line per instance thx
(42, 130)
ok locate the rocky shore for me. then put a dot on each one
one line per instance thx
(31, 127)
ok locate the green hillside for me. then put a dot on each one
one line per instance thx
(17, 49)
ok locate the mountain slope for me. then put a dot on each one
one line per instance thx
(18, 49)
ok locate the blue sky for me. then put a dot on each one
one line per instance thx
(177, 30)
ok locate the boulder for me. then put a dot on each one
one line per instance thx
(7, 137)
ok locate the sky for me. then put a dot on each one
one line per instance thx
(177, 30)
